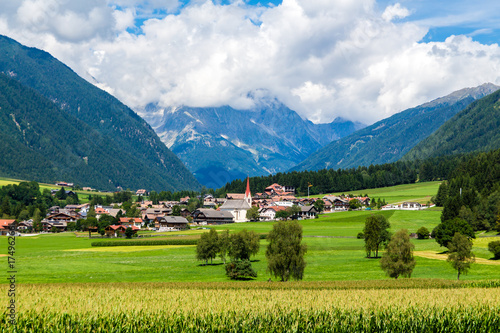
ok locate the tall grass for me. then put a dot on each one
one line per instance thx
(256, 307)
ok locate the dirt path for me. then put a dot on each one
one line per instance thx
(434, 255)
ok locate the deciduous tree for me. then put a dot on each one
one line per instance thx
(285, 252)
(208, 246)
(376, 233)
(445, 231)
(398, 258)
(460, 255)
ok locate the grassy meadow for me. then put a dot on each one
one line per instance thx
(418, 192)
(65, 284)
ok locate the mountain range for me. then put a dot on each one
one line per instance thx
(62, 128)
(477, 128)
(390, 139)
(221, 144)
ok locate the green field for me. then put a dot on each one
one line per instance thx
(65, 284)
(333, 254)
(419, 192)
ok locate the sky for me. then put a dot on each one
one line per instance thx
(362, 60)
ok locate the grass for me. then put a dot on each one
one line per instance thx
(334, 254)
(418, 192)
(258, 307)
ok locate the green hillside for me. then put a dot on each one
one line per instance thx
(390, 139)
(78, 120)
(477, 128)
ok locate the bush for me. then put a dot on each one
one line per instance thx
(240, 269)
(494, 247)
(423, 233)
(360, 235)
(146, 243)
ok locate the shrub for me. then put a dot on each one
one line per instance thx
(494, 247)
(240, 269)
(146, 243)
(360, 235)
(423, 233)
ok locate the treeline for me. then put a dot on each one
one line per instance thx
(472, 192)
(25, 200)
(363, 177)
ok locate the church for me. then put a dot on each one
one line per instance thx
(239, 208)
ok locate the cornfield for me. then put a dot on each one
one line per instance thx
(256, 307)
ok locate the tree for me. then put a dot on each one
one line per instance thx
(243, 245)
(442, 194)
(398, 258)
(61, 194)
(37, 220)
(253, 214)
(423, 233)
(240, 269)
(207, 246)
(445, 231)
(176, 210)
(129, 232)
(282, 215)
(460, 255)
(494, 247)
(354, 204)
(224, 243)
(319, 205)
(285, 252)
(376, 233)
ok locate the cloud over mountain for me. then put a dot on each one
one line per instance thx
(361, 60)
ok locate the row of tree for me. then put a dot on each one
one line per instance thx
(285, 252)
(398, 260)
(472, 192)
(363, 177)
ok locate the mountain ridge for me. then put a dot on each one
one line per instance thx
(389, 139)
(220, 144)
(121, 127)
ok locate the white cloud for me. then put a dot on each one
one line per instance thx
(322, 58)
(395, 12)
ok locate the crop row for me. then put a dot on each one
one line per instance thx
(482, 319)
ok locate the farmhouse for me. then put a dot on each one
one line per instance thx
(170, 223)
(130, 222)
(269, 213)
(204, 216)
(118, 230)
(306, 212)
(4, 226)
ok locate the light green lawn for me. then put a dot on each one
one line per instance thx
(338, 256)
(419, 192)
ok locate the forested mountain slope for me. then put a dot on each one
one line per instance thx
(126, 137)
(390, 139)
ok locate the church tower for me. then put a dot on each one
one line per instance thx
(248, 195)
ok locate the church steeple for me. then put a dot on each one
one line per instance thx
(248, 195)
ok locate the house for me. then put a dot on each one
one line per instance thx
(184, 201)
(411, 206)
(5, 225)
(238, 208)
(269, 213)
(340, 204)
(235, 196)
(150, 214)
(209, 204)
(328, 206)
(204, 216)
(185, 213)
(118, 230)
(64, 184)
(306, 212)
(170, 223)
(59, 221)
(130, 221)
(141, 192)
